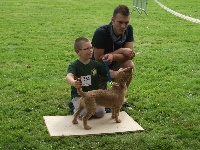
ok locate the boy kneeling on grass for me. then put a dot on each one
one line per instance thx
(84, 72)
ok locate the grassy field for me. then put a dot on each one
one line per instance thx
(37, 45)
(190, 9)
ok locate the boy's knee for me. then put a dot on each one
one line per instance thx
(99, 113)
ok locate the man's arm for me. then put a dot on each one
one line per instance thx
(98, 54)
(120, 55)
(128, 53)
(117, 55)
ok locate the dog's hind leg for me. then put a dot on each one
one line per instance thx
(86, 117)
(91, 108)
(76, 114)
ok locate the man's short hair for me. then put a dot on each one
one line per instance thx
(121, 9)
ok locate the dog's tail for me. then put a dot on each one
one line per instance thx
(80, 92)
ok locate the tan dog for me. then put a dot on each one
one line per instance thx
(111, 98)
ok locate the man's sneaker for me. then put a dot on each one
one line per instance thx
(125, 105)
(107, 110)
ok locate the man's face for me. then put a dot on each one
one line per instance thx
(120, 24)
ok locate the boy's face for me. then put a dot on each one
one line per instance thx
(86, 50)
(120, 24)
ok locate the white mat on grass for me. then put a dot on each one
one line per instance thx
(62, 125)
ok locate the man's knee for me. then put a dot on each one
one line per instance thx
(127, 63)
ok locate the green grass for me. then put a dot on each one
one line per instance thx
(191, 8)
(37, 45)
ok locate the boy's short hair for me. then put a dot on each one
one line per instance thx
(79, 42)
(121, 9)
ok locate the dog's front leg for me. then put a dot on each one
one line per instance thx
(117, 110)
(75, 120)
(113, 112)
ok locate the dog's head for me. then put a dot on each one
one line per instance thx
(124, 75)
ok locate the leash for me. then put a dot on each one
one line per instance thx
(107, 69)
(110, 83)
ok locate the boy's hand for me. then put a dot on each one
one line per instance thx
(77, 83)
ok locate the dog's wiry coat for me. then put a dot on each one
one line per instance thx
(111, 98)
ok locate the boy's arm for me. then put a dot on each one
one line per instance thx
(70, 79)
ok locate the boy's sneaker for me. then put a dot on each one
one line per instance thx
(125, 105)
(71, 106)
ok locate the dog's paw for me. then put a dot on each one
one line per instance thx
(112, 117)
(87, 127)
(118, 121)
(74, 121)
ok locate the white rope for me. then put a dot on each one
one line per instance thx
(178, 14)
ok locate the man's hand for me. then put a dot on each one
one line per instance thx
(108, 57)
(129, 53)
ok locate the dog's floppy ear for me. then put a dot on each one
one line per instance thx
(122, 76)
